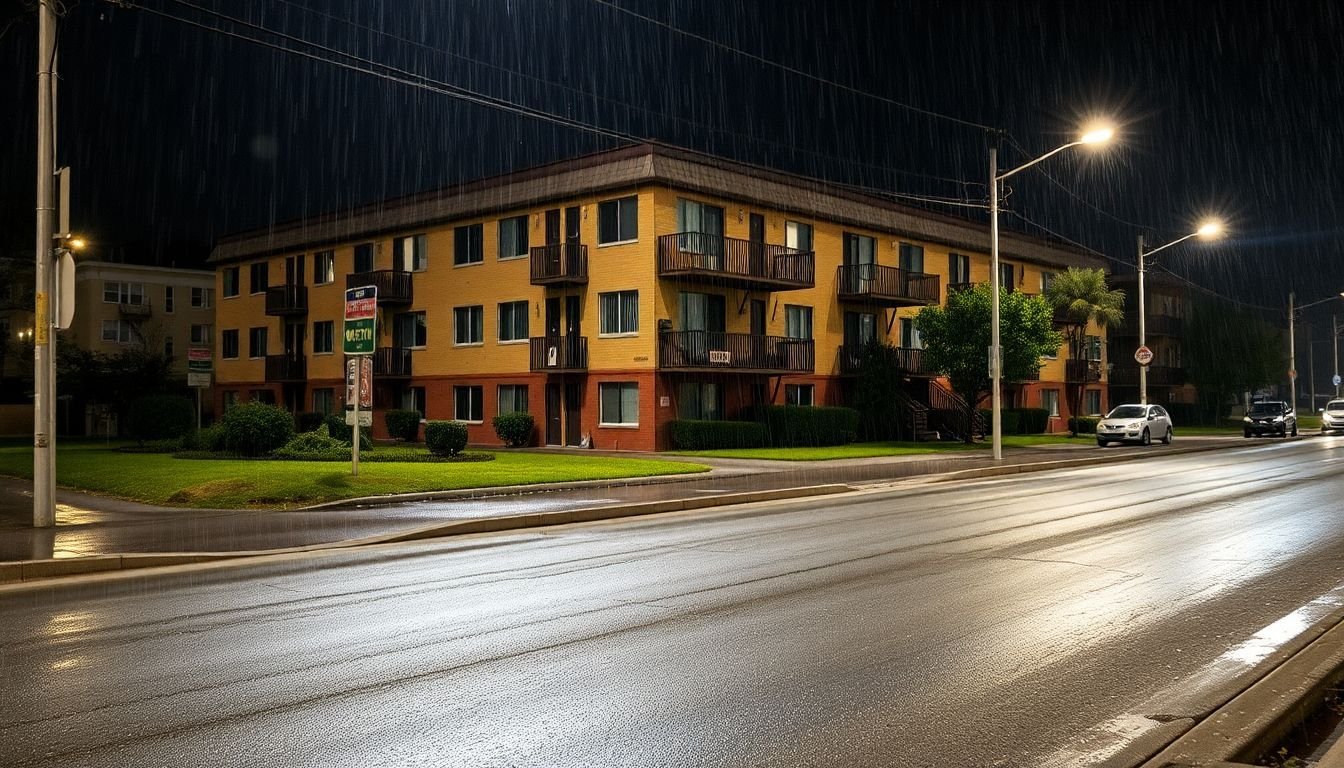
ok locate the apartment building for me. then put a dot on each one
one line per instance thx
(1165, 303)
(610, 295)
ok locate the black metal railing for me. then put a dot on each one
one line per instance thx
(558, 353)
(287, 300)
(394, 286)
(392, 362)
(560, 264)
(1082, 371)
(134, 310)
(951, 415)
(702, 350)
(286, 368)
(728, 259)
(885, 285)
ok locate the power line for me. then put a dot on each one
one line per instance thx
(1041, 169)
(1191, 283)
(1068, 240)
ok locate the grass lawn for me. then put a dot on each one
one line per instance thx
(871, 450)
(236, 483)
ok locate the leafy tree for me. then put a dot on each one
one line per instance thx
(956, 339)
(877, 395)
(1081, 298)
(1228, 350)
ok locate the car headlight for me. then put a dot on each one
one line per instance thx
(1132, 425)
(1278, 419)
(1246, 419)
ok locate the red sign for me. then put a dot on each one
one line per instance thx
(1143, 355)
(361, 309)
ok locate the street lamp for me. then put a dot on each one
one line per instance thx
(1093, 136)
(1292, 341)
(1209, 230)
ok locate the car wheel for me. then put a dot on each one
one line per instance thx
(1283, 432)
(1294, 430)
(1166, 439)
(1102, 443)
(1147, 439)
(1245, 433)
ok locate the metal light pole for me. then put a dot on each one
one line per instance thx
(1095, 136)
(44, 357)
(1292, 341)
(1334, 347)
(1207, 230)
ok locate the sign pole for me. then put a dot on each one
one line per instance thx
(354, 451)
(360, 341)
(198, 409)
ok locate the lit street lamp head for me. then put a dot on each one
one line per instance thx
(1098, 135)
(1210, 229)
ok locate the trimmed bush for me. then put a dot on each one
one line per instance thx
(793, 426)
(688, 435)
(445, 438)
(402, 424)
(308, 421)
(160, 417)
(256, 429)
(1083, 425)
(210, 439)
(515, 429)
(337, 428)
(1033, 421)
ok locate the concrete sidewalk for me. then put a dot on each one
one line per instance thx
(94, 525)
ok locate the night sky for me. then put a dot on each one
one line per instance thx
(179, 135)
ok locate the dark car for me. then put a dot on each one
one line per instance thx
(1271, 417)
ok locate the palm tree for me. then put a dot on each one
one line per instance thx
(1081, 299)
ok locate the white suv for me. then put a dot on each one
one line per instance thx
(1332, 416)
(1141, 424)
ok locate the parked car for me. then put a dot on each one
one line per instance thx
(1270, 417)
(1332, 416)
(1140, 424)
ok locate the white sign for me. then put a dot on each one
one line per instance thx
(365, 418)
(195, 379)
(993, 358)
(720, 356)
(552, 357)
(1336, 380)
(65, 291)
(1143, 355)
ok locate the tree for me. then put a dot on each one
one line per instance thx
(1082, 299)
(956, 339)
(1228, 350)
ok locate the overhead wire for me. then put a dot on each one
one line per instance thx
(1041, 170)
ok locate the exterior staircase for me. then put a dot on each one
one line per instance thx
(946, 413)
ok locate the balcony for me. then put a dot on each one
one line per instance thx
(394, 285)
(286, 368)
(738, 352)
(392, 362)
(885, 286)
(730, 261)
(560, 264)
(558, 353)
(1158, 376)
(287, 300)
(1082, 371)
(909, 359)
(134, 311)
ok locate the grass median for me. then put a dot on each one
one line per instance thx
(878, 449)
(239, 483)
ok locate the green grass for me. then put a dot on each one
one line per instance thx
(872, 450)
(237, 483)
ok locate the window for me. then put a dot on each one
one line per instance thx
(261, 396)
(167, 346)
(618, 403)
(797, 321)
(702, 312)
(912, 257)
(409, 330)
(799, 394)
(117, 331)
(411, 253)
(413, 399)
(513, 321)
(699, 401)
(364, 257)
(619, 312)
(860, 328)
(228, 343)
(1092, 402)
(202, 298)
(231, 289)
(512, 398)
(324, 267)
(1091, 349)
(324, 332)
(258, 274)
(168, 299)
(910, 338)
(798, 235)
(230, 398)
(467, 404)
(513, 237)
(123, 293)
(1046, 279)
(1007, 279)
(468, 325)
(1050, 401)
(618, 220)
(256, 342)
(859, 249)
(958, 269)
(324, 400)
(201, 333)
(695, 216)
(467, 245)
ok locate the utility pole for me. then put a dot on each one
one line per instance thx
(44, 348)
(1334, 347)
(1311, 368)
(1292, 353)
(1143, 336)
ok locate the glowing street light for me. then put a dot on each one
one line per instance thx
(1211, 229)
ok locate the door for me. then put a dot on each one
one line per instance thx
(294, 339)
(572, 219)
(573, 308)
(553, 415)
(573, 413)
(756, 233)
(860, 328)
(860, 254)
(553, 240)
(552, 316)
(757, 317)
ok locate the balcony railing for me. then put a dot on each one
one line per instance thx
(134, 310)
(560, 264)
(558, 353)
(286, 368)
(710, 350)
(1158, 376)
(394, 285)
(728, 260)
(392, 362)
(888, 286)
(287, 300)
(1082, 371)
(908, 359)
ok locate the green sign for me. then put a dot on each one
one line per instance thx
(361, 312)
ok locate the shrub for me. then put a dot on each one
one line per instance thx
(210, 439)
(707, 435)
(445, 438)
(1083, 425)
(1033, 421)
(337, 428)
(790, 426)
(1011, 420)
(307, 421)
(256, 429)
(402, 424)
(515, 429)
(160, 417)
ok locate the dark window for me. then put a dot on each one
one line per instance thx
(231, 281)
(699, 401)
(797, 321)
(798, 235)
(618, 220)
(860, 249)
(202, 298)
(467, 404)
(513, 237)
(323, 334)
(1007, 279)
(513, 321)
(413, 399)
(619, 403)
(364, 257)
(262, 396)
(228, 343)
(702, 312)
(409, 330)
(799, 394)
(619, 312)
(912, 257)
(411, 253)
(324, 400)
(256, 342)
(958, 268)
(324, 267)
(467, 247)
(468, 325)
(258, 273)
(168, 298)
(512, 398)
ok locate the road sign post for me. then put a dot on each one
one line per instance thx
(359, 338)
(200, 363)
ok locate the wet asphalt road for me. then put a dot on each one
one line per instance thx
(1029, 621)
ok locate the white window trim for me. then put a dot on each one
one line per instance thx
(464, 265)
(605, 425)
(469, 422)
(512, 342)
(617, 242)
(628, 335)
(510, 258)
(465, 344)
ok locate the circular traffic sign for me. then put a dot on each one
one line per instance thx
(1336, 381)
(1143, 355)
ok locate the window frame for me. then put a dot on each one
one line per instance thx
(224, 343)
(262, 268)
(329, 395)
(202, 297)
(120, 328)
(251, 342)
(619, 204)
(601, 405)
(473, 403)
(231, 275)
(514, 390)
(479, 325)
(202, 338)
(1050, 402)
(519, 224)
(419, 257)
(169, 300)
(330, 326)
(474, 237)
(799, 310)
(420, 324)
(792, 392)
(622, 299)
(323, 259)
(798, 227)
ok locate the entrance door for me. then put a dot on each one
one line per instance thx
(572, 311)
(552, 316)
(553, 226)
(553, 423)
(294, 270)
(757, 317)
(573, 412)
(294, 339)
(760, 264)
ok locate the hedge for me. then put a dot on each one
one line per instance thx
(688, 435)
(160, 417)
(404, 424)
(1083, 425)
(445, 438)
(792, 426)
(515, 429)
(1033, 421)
(308, 421)
(256, 429)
